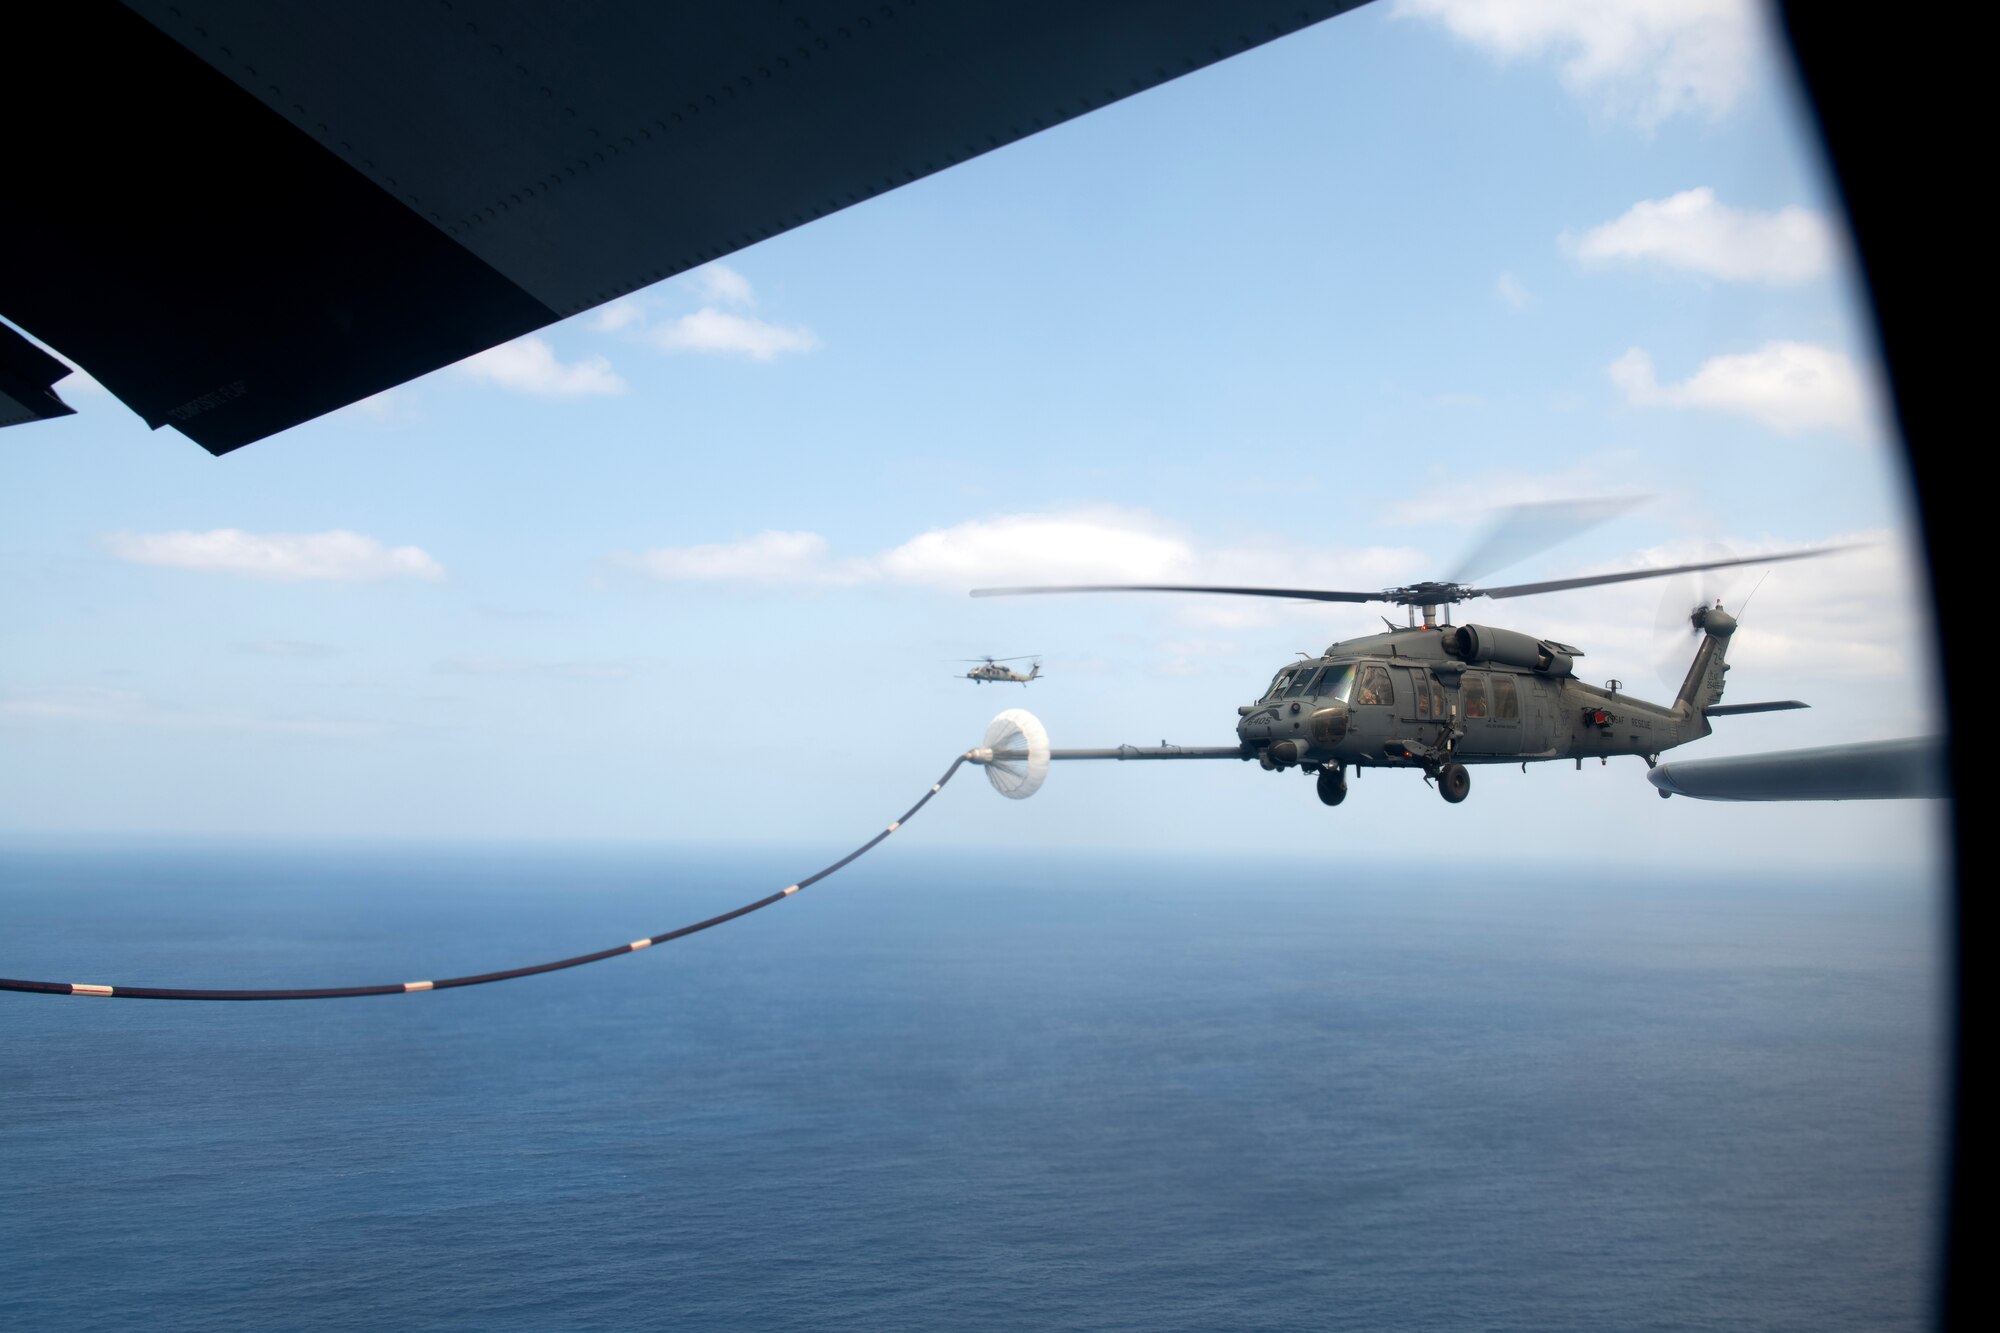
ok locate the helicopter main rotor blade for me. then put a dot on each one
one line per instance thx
(1519, 531)
(1627, 576)
(1300, 594)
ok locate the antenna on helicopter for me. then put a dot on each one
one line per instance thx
(1752, 593)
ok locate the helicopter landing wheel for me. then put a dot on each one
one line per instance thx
(1454, 782)
(1332, 786)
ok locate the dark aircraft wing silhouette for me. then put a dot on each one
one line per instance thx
(298, 205)
(26, 374)
(1868, 771)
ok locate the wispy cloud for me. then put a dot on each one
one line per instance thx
(1613, 478)
(391, 407)
(1645, 60)
(712, 330)
(725, 324)
(1095, 545)
(719, 284)
(530, 365)
(337, 556)
(91, 706)
(295, 648)
(1085, 545)
(1788, 386)
(1856, 614)
(522, 666)
(618, 315)
(1109, 544)
(1694, 231)
(768, 557)
(1513, 293)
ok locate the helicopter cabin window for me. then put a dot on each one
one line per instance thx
(1506, 707)
(1423, 702)
(1438, 708)
(1371, 685)
(1335, 685)
(1473, 692)
(1300, 682)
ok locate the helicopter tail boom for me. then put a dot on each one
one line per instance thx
(1706, 675)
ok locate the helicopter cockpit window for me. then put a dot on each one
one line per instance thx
(1300, 682)
(1438, 708)
(1473, 692)
(1335, 684)
(1371, 685)
(1506, 707)
(1278, 684)
(1423, 702)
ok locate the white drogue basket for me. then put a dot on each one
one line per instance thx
(1020, 735)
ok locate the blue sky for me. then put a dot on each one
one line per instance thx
(692, 566)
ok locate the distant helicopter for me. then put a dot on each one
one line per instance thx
(1431, 697)
(989, 668)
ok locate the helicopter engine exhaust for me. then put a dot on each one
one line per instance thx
(1482, 643)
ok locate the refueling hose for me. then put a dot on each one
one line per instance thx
(481, 979)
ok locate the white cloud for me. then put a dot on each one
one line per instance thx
(1644, 59)
(288, 648)
(1616, 478)
(1787, 386)
(720, 284)
(1098, 545)
(337, 556)
(529, 365)
(521, 666)
(87, 705)
(712, 330)
(1108, 545)
(618, 315)
(391, 407)
(1691, 230)
(1091, 545)
(1512, 293)
(1859, 614)
(722, 325)
(768, 557)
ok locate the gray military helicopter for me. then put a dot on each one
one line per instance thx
(1434, 697)
(989, 669)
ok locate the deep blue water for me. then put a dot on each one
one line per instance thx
(966, 1092)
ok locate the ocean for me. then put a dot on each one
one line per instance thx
(967, 1091)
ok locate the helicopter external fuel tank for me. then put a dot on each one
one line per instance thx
(1482, 643)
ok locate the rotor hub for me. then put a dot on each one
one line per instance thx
(1429, 594)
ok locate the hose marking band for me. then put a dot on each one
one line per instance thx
(479, 979)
